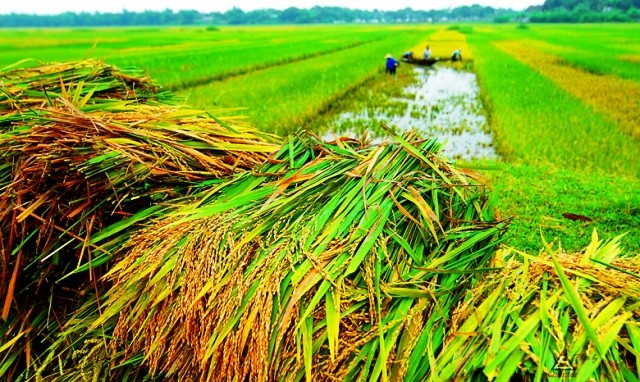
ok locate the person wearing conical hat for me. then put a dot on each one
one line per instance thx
(391, 64)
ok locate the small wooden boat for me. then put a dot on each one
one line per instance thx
(421, 61)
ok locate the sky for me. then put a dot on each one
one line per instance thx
(50, 7)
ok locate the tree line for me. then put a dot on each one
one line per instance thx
(585, 11)
(550, 11)
(236, 16)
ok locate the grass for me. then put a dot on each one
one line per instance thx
(537, 197)
(211, 62)
(613, 97)
(597, 48)
(564, 156)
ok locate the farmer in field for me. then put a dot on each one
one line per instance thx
(407, 56)
(456, 55)
(427, 53)
(392, 64)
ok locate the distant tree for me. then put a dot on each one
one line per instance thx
(187, 17)
(293, 15)
(585, 11)
(502, 19)
(235, 16)
(634, 14)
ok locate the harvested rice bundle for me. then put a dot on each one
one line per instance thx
(29, 84)
(67, 171)
(72, 166)
(332, 262)
(556, 315)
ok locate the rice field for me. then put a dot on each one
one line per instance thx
(206, 221)
(568, 148)
(184, 57)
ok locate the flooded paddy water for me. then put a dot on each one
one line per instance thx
(441, 102)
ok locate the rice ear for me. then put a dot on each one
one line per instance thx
(568, 315)
(301, 270)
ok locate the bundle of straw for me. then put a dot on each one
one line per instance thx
(557, 315)
(69, 168)
(330, 262)
(29, 84)
(71, 164)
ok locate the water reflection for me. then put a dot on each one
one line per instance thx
(443, 102)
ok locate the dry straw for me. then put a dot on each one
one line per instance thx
(84, 145)
(331, 262)
(30, 84)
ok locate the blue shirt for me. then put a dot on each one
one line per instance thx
(391, 63)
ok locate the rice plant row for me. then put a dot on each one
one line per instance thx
(615, 97)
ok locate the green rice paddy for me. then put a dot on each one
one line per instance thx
(559, 154)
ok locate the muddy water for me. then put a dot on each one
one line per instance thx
(443, 102)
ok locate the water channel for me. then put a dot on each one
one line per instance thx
(443, 102)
